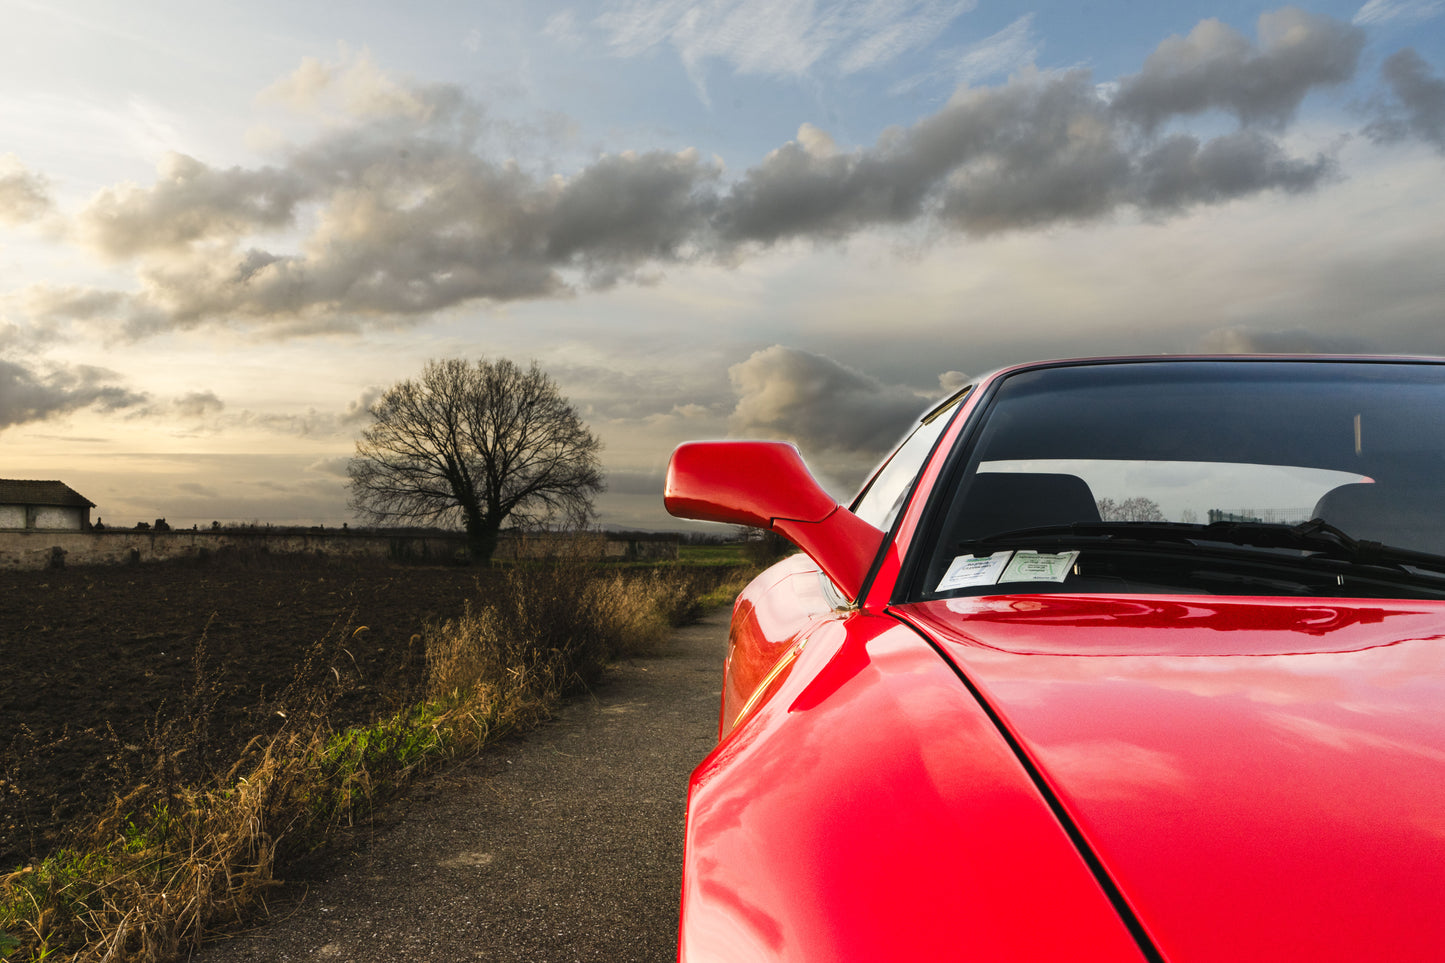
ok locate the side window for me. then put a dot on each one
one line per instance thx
(879, 503)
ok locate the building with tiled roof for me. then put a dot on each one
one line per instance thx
(42, 506)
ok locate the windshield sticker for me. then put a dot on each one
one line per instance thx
(968, 570)
(1039, 567)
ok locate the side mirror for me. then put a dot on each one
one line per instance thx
(764, 484)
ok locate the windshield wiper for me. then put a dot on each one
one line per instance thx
(1316, 536)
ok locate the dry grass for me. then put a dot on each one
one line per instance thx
(173, 859)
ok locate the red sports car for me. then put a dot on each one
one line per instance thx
(1133, 659)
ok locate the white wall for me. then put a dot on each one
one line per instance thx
(50, 517)
(12, 516)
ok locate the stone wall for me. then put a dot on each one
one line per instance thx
(35, 549)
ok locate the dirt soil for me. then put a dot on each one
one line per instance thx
(96, 662)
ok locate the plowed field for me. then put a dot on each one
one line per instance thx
(94, 662)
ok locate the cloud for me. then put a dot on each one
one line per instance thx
(629, 208)
(1008, 51)
(49, 304)
(563, 29)
(400, 210)
(607, 392)
(886, 31)
(405, 218)
(24, 196)
(818, 403)
(1418, 106)
(331, 467)
(199, 404)
(1181, 172)
(1010, 48)
(189, 202)
(359, 411)
(27, 395)
(1243, 340)
(635, 483)
(781, 38)
(209, 414)
(1383, 11)
(1217, 68)
(354, 86)
(1041, 149)
(951, 381)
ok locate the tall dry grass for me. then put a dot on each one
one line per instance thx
(173, 860)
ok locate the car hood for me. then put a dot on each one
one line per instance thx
(1263, 779)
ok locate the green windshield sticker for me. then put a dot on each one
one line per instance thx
(1039, 567)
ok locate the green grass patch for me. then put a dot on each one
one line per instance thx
(731, 554)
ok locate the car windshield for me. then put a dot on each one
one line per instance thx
(1238, 477)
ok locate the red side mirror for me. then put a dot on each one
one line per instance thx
(765, 484)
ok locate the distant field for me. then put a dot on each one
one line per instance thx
(711, 555)
(93, 660)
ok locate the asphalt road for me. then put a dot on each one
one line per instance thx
(563, 845)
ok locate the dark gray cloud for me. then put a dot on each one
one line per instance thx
(818, 403)
(408, 219)
(635, 483)
(604, 392)
(332, 467)
(1217, 68)
(1416, 108)
(359, 411)
(28, 395)
(1181, 172)
(627, 209)
(199, 404)
(190, 202)
(401, 210)
(24, 195)
(1037, 151)
(55, 304)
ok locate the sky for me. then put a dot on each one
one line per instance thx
(226, 229)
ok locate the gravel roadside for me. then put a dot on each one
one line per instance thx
(563, 845)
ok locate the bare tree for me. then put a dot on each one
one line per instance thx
(475, 444)
(1136, 509)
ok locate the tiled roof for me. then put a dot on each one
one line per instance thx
(18, 492)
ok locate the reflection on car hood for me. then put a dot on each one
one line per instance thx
(1263, 779)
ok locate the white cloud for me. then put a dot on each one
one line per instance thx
(563, 29)
(24, 195)
(887, 31)
(352, 85)
(1243, 340)
(1012, 49)
(781, 38)
(1382, 11)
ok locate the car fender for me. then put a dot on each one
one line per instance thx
(770, 620)
(868, 809)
